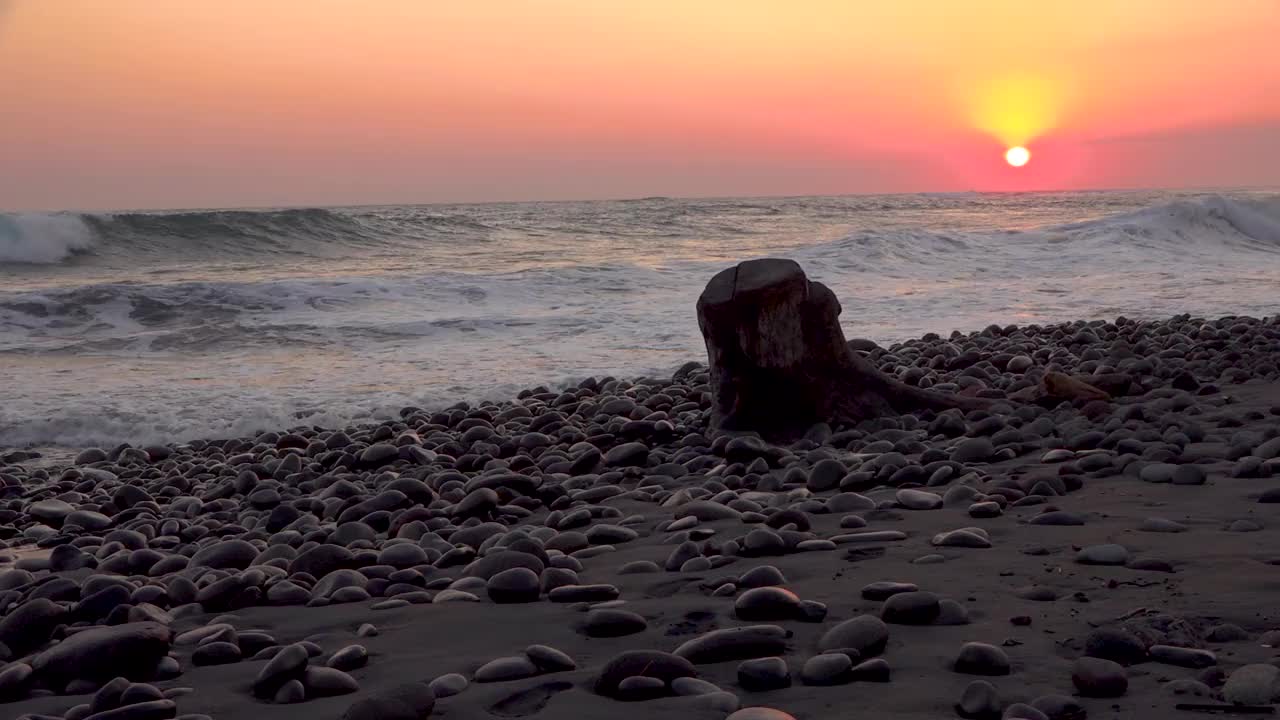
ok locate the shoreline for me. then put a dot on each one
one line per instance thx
(1044, 554)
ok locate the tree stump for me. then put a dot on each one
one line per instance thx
(779, 361)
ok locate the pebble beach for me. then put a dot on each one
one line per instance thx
(1099, 546)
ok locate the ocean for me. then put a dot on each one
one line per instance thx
(169, 326)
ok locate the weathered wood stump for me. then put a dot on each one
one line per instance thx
(779, 360)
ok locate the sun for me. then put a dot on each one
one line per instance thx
(1017, 156)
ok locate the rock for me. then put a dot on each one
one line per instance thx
(1182, 656)
(348, 658)
(612, 622)
(763, 674)
(760, 713)
(228, 554)
(633, 454)
(964, 537)
(1109, 554)
(516, 585)
(449, 685)
(1189, 475)
(832, 668)
(321, 560)
(918, 499)
(1116, 644)
(981, 659)
(1099, 678)
(971, 450)
(1022, 711)
(865, 634)
(1257, 684)
(30, 624)
(290, 693)
(328, 682)
(763, 576)
(884, 590)
(980, 701)
(910, 608)
(288, 664)
(767, 603)
(502, 669)
(1187, 686)
(647, 663)
(873, 670)
(641, 688)
(1059, 707)
(1162, 525)
(14, 679)
(1226, 633)
(132, 651)
(738, 643)
(216, 653)
(549, 659)
(825, 475)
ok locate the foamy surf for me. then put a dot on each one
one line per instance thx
(155, 326)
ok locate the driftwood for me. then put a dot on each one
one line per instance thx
(779, 361)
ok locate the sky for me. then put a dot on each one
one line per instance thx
(112, 104)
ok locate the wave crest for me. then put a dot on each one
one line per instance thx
(43, 238)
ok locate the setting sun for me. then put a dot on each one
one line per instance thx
(1017, 156)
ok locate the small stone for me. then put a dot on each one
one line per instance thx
(1116, 644)
(1108, 554)
(1099, 678)
(649, 663)
(549, 659)
(873, 670)
(760, 713)
(349, 658)
(965, 537)
(502, 669)
(516, 585)
(1182, 656)
(448, 685)
(766, 603)
(910, 608)
(612, 622)
(865, 634)
(1162, 525)
(832, 668)
(981, 659)
(884, 590)
(737, 643)
(1257, 684)
(763, 674)
(980, 701)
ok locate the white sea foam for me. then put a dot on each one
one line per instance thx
(173, 326)
(42, 238)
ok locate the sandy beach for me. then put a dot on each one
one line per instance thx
(1106, 559)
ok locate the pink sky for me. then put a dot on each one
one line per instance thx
(202, 103)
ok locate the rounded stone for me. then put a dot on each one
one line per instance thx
(865, 634)
(763, 674)
(502, 669)
(612, 622)
(767, 603)
(1257, 684)
(980, 701)
(833, 668)
(648, 663)
(982, 659)
(516, 585)
(1099, 678)
(910, 608)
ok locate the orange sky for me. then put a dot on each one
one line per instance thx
(194, 103)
